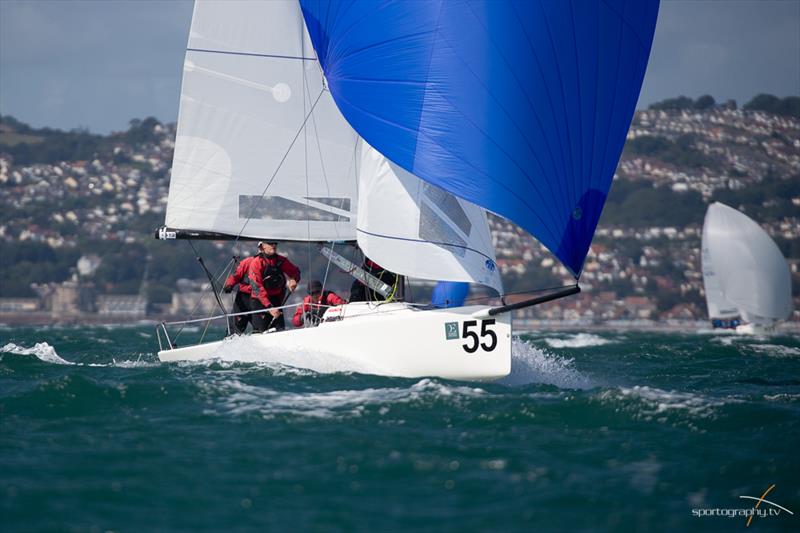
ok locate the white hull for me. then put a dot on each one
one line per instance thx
(393, 339)
(754, 329)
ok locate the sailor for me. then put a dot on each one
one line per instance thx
(241, 302)
(361, 293)
(314, 305)
(264, 280)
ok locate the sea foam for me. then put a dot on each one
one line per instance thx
(41, 350)
(578, 340)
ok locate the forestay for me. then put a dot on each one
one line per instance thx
(750, 270)
(520, 107)
(418, 229)
(261, 149)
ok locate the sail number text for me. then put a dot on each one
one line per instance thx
(484, 337)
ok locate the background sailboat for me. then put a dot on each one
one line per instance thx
(398, 125)
(747, 281)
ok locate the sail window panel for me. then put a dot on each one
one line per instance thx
(434, 229)
(280, 208)
(449, 205)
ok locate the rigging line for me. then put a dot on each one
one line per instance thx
(274, 174)
(327, 267)
(210, 278)
(252, 54)
(305, 93)
(196, 305)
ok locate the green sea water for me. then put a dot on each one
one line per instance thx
(591, 432)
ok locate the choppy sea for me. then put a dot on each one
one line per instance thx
(608, 431)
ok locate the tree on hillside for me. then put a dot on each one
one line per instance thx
(678, 104)
(789, 106)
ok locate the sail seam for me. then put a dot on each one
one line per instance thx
(408, 239)
(534, 153)
(564, 193)
(252, 54)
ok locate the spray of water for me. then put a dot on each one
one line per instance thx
(530, 364)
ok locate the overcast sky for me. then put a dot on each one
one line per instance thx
(100, 63)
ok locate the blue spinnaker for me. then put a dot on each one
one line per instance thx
(521, 107)
(449, 294)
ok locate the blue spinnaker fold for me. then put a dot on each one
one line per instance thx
(521, 107)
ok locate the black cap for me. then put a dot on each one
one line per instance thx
(314, 286)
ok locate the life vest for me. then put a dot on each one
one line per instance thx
(273, 275)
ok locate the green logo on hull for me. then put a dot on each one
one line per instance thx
(451, 330)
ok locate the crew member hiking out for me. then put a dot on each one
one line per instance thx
(314, 305)
(264, 280)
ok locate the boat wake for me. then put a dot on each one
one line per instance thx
(578, 340)
(530, 364)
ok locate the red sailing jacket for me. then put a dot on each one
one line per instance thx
(250, 277)
(327, 298)
(238, 274)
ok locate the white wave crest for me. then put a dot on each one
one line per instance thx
(578, 340)
(41, 350)
(776, 350)
(239, 398)
(653, 402)
(530, 364)
(783, 397)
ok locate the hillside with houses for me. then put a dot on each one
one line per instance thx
(79, 211)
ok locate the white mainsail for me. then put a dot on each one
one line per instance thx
(251, 157)
(744, 272)
(414, 228)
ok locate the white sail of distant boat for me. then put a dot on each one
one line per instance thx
(744, 273)
(396, 126)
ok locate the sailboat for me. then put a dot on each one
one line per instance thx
(747, 281)
(396, 127)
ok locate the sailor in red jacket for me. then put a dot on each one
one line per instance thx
(262, 285)
(241, 303)
(315, 304)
